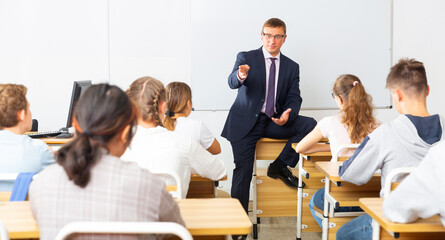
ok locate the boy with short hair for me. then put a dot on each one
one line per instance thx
(402, 142)
(18, 152)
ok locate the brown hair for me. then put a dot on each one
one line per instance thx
(12, 100)
(101, 113)
(178, 94)
(410, 76)
(147, 93)
(274, 23)
(357, 109)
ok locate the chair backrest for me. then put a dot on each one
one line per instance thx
(124, 228)
(336, 155)
(388, 185)
(4, 235)
(175, 192)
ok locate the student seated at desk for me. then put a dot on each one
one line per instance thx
(354, 122)
(158, 149)
(90, 182)
(403, 142)
(19, 153)
(179, 107)
(421, 194)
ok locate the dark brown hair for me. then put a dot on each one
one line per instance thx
(12, 100)
(274, 23)
(410, 76)
(101, 113)
(178, 94)
(147, 93)
(357, 108)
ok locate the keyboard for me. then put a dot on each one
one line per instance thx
(43, 134)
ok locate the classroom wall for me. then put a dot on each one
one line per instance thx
(417, 32)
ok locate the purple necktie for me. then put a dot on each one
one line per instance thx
(271, 90)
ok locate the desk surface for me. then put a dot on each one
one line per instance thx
(373, 207)
(202, 217)
(330, 169)
(55, 141)
(217, 216)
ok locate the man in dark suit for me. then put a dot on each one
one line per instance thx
(267, 105)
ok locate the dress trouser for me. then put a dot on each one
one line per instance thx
(244, 150)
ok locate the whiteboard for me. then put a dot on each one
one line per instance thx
(327, 38)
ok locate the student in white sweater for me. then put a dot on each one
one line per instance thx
(160, 150)
(351, 125)
(179, 107)
(420, 195)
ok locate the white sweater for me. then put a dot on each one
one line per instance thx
(160, 150)
(421, 194)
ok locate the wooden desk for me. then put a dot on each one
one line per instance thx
(56, 141)
(203, 217)
(218, 216)
(430, 228)
(342, 194)
(17, 217)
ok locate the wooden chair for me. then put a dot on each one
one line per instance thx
(389, 186)
(124, 228)
(343, 194)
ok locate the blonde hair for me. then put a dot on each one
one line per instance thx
(357, 109)
(178, 95)
(147, 93)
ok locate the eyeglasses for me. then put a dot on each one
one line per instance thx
(270, 36)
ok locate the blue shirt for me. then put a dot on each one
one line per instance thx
(20, 153)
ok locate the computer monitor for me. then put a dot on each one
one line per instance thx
(79, 88)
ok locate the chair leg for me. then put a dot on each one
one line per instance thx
(255, 231)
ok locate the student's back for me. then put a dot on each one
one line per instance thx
(179, 107)
(90, 182)
(18, 152)
(403, 142)
(117, 191)
(159, 150)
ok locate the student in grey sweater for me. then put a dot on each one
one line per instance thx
(421, 194)
(403, 142)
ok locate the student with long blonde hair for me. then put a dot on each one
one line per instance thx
(160, 150)
(179, 107)
(351, 125)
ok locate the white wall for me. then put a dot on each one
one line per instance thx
(417, 33)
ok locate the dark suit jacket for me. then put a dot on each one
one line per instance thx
(245, 110)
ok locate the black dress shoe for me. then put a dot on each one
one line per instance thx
(239, 237)
(284, 174)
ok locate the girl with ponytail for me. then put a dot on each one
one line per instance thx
(160, 150)
(90, 182)
(179, 107)
(354, 122)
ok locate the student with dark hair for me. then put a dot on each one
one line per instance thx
(19, 153)
(90, 182)
(267, 105)
(179, 107)
(160, 150)
(403, 142)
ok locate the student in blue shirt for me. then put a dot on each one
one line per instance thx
(18, 152)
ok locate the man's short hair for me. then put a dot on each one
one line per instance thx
(410, 76)
(275, 22)
(12, 100)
